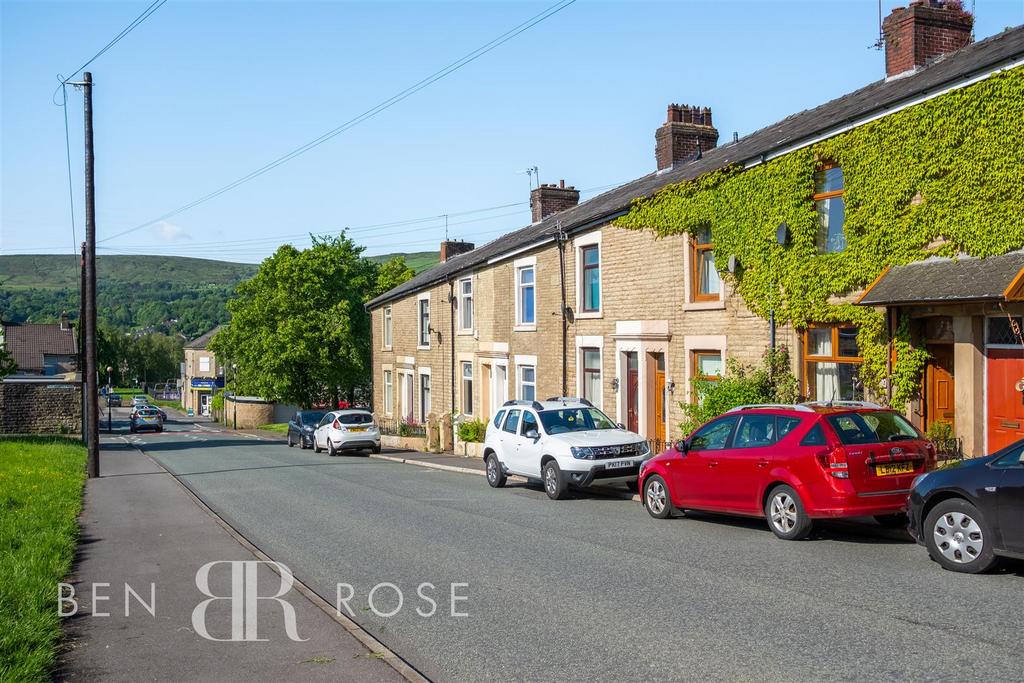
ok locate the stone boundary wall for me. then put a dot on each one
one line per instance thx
(40, 408)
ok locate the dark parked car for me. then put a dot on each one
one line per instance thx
(115, 400)
(970, 514)
(301, 426)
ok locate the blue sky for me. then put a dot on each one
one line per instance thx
(202, 93)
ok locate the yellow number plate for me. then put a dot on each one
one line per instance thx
(358, 429)
(890, 469)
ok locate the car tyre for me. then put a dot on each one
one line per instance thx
(656, 499)
(958, 537)
(495, 475)
(331, 450)
(312, 443)
(290, 442)
(895, 521)
(786, 515)
(555, 485)
(376, 450)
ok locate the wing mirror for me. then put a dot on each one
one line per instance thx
(620, 426)
(532, 434)
(682, 446)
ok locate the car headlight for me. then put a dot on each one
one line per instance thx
(308, 428)
(582, 452)
(644, 448)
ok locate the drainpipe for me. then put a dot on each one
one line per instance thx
(561, 238)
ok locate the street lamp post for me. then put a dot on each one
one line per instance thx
(234, 419)
(110, 387)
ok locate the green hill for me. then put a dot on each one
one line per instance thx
(418, 260)
(56, 271)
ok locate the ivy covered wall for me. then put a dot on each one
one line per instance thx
(938, 178)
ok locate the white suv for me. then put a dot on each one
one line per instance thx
(562, 442)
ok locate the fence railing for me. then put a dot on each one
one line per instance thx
(398, 427)
(948, 449)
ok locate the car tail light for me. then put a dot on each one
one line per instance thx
(337, 425)
(835, 462)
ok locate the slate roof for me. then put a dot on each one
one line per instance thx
(938, 280)
(827, 119)
(28, 343)
(203, 340)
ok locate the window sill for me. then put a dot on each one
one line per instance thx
(464, 333)
(525, 328)
(386, 348)
(423, 348)
(589, 315)
(718, 305)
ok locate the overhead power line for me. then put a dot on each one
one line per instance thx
(369, 113)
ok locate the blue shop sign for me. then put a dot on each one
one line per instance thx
(207, 382)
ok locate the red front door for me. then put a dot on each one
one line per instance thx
(632, 392)
(1005, 400)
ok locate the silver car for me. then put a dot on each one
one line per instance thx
(346, 430)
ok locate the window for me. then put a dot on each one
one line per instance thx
(706, 283)
(497, 418)
(467, 388)
(880, 427)
(707, 365)
(512, 422)
(204, 364)
(527, 383)
(832, 364)
(755, 431)
(1015, 458)
(784, 425)
(389, 392)
(590, 278)
(424, 398)
(466, 304)
(831, 208)
(524, 296)
(591, 374)
(529, 422)
(575, 420)
(1006, 331)
(424, 322)
(815, 437)
(387, 327)
(713, 437)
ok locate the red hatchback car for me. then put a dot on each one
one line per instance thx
(792, 464)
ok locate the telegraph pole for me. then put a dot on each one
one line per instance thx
(91, 369)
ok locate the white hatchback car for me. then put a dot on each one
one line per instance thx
(346, 430)
(562, 442)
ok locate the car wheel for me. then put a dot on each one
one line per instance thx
(376, 450)
(305, 443)
(495, 476)
(958, 537)
(555, 484)
(656, 498)
(786, 515)
(331, 450)
(895, 521)
(312, 441)
(290, 442)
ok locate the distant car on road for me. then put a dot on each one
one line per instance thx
(970, 514)
(115, 400)
(346, 430)
(140, 400)
(563, 442)
(792, 464)
(301, 426)
(146, 418)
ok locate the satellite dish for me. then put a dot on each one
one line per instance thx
(782, 233)
(733, 263)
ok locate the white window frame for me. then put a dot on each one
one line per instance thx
(204, 360)
(425, 410)
(582, 242)
(388, 383)
(462, 298)
(466, 409)
(388, 325)
(419, 321)
(524, 362)
(589, 342)
(517, 267)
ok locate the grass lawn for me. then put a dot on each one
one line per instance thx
(277, 427)
(40, 497)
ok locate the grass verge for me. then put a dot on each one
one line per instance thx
(276, 427)
(40, 497)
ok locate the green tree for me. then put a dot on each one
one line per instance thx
(7, 364)
(299, 331)
(391, 274)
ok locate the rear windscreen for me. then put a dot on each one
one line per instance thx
(874, 427)
(355, 418)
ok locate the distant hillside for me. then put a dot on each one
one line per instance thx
(172, 294)
(418, 260)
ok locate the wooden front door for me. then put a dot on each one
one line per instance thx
(1005, 400)
(632, 392)
(939, 385)
(660, 398)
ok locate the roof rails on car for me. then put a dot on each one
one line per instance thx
(533, 404)
(784, 406)
(846, 404)
(571, 399)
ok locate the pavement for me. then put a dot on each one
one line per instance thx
(592, 587)
(141, 530)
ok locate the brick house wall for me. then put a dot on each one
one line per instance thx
(40, 408)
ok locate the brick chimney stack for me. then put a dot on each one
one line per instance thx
(65, 324)
(450, 248)
(686, 131)
(548, 199)
(922, 31)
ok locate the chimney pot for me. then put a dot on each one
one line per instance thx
(684, 136)
(917, 34)
(450, 248)
(550, 198)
